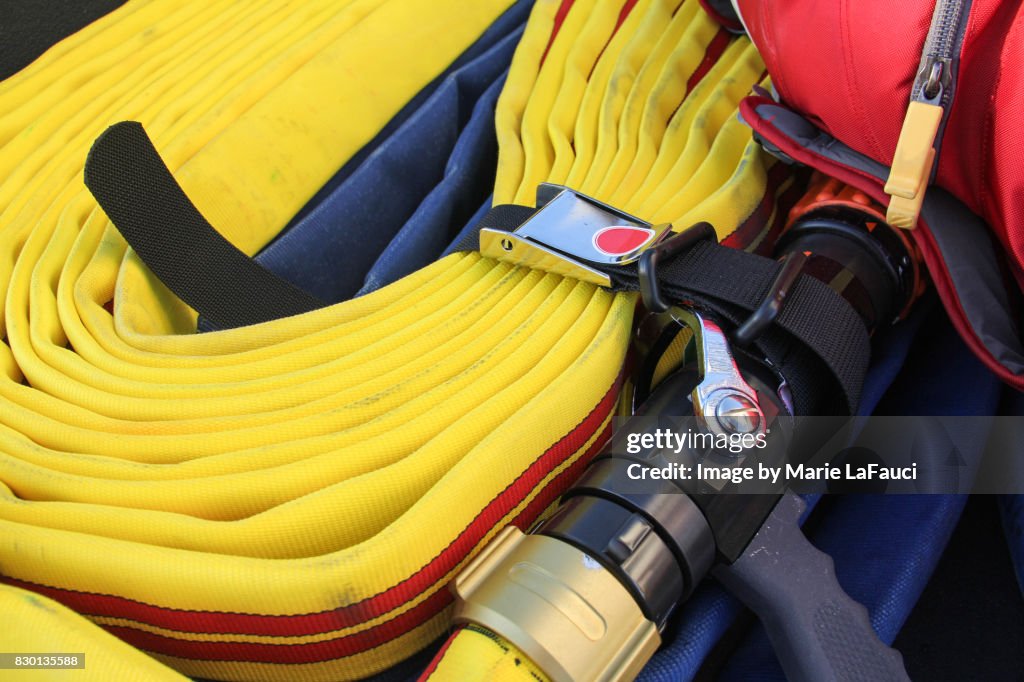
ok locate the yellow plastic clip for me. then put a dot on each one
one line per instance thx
(912, 164)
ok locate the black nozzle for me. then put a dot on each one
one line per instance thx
(858, 256)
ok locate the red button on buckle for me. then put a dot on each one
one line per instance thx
(619, 240)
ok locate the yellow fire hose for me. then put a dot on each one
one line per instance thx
(289, 501)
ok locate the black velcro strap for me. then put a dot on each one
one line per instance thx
(141, 197)
(818, 341)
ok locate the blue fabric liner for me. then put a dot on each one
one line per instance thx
(430, 174)
(468, 176)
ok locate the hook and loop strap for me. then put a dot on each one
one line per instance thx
(132, 183)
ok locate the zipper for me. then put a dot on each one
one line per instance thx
(934, 81)
(931, 100)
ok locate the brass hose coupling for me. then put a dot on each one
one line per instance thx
(569, 614)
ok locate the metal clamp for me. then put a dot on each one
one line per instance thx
(723, 401)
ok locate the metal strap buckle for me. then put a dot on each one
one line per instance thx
(572, 233)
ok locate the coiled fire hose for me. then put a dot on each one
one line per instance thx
(289, 500)
(156, 480)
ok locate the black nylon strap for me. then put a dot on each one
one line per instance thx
(505, 217)
(818, 341)
(138, 193)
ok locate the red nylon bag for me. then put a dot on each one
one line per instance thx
(852, 77)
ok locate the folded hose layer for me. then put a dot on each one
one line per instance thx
(288, 501)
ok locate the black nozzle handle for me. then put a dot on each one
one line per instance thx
(818, 632)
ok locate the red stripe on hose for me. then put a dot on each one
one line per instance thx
(347, 645)
(750, 228)
(711, 55)
(561, 483)
(623, 14)
(626, 9)
(560, 16)
(213, 622)
(563, 12)
(312, 652)
(340, 647)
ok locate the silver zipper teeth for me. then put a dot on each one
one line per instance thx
(939, 52)
(946, 24)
